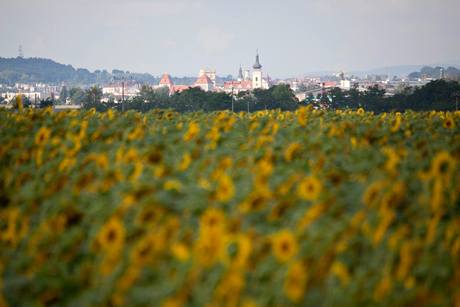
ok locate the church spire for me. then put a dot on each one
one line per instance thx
(240, 75)
(257, 64)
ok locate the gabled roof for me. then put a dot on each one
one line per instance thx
(180, 88)
(204, 80)
(166, 80)
(238, 84)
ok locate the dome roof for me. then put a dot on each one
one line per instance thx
(257, 64)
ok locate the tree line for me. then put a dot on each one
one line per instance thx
(436, 95)
(194, 99)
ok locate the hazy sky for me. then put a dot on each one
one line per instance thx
(180, 38)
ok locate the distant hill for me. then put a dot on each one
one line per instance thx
(13, 70)
(25, 70)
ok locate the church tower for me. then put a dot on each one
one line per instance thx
(257, 73)
(240, 75)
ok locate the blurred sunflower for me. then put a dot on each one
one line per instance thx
(42, 136)
(295, 281)
(442, 165)
(192, 132)
(149, 216)
(448, 123)
(394, 123)
(144, 251)
(309, 188)
(112, 235)
(372, 193)
(212, 220)
(284, 245)
(225, 188)
(292, 151)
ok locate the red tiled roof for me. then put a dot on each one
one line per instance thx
(180, 88)
(204, 80)
(166, 80)
(238, 84)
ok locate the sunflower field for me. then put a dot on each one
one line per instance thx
(304, 208)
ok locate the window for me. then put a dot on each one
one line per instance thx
(256, 79)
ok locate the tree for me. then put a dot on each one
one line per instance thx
(77, 95)
(46, 103)
(284, 98)
(302, 88)
(63, 95)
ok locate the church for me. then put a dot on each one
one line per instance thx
(244, 83)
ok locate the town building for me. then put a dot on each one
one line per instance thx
(244, 83)
(204, 82)
(211, 73)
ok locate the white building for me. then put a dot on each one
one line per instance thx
(244, 83)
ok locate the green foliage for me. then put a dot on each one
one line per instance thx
(302, 88)
(435, 72)
(195, 99)
(63, 95)
(77, 95)
(46, 103)
(271, 209)
(436, 95)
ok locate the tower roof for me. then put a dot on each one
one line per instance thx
(240, 74)
(166, 80)
(257, 64)
(204, 80)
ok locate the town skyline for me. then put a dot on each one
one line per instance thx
(179, 38)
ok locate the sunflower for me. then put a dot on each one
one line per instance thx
(254, 202)
(209, 249)
(42, 136)
(130, 156)
(394, 123)
(180, 251)
(386, 221)
(212, 220)
(229, 289)
(372, 193)
(186, 160)
(149, 216)
(284, 245)
(442, 165)
(169, 116)
(154, 157)
(279, 210)
(295, 281)
(393, 159)
(144, 251)
(102, 161)
(312, 214)
(383, 288)
(112, 235)
(448, 123)
(341, 271)
(192, 132)
(172, 185)
(360, 111)
(110, 179)
(239, 251)
(309, 188)
(394, 197)
(84, 180)
(292, 151)
(225, 189)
